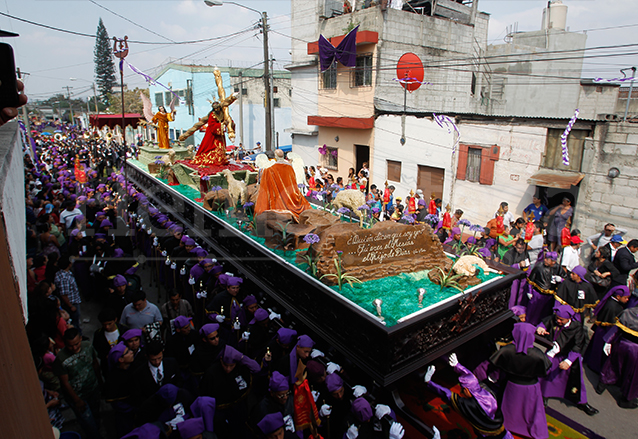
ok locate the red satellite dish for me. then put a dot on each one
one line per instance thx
(410, 66)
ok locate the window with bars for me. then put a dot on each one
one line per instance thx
(330, 160)
(159, 99)
(329, 77)
(276, 103)
(362, 75)
(473, 169)
(394, 170)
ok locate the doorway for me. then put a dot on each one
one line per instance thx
(362, 155)
(430, 180)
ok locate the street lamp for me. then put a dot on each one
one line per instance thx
(264, 27)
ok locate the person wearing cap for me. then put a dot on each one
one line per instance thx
(280, 346)
(227, 298)
(542, 280)
(181, 344)
(260, 334)
(524, 364)
(604, 316)
(294, 364)
(119, 295)
(475, 404)
(614, 244)
(119, 386)
(207, 350)
(273, 426)
(577, 292)
(158, 371)
(625, 262)
(568, 338)
(107, 336)
(621, 367)
(229, 381)
(339, 399)
(140, 312)
(277, 400)
(570, 254)
(454, 240)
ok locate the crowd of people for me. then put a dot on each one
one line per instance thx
(218, 360)
(214, 360)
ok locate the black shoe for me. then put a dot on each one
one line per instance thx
(545, 402)
(601, 387)
(622, 402)
(591, 411)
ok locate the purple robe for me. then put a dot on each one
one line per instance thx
(621, 367)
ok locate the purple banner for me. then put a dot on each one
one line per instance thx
(447, 123)
(345, 52)
(563, 137)
(152, 81)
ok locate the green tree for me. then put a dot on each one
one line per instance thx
(103, 59)
(132, 101)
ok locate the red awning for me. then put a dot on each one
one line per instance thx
(113, 120)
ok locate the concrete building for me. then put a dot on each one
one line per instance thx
(196, 84)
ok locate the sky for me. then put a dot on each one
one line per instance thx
(52, 58)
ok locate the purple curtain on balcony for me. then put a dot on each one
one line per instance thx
(345, 52)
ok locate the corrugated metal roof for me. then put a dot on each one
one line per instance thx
(555, 178)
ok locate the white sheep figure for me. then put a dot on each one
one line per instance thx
(465, 265)
(350, 198)
(297, 164)
(237, 190)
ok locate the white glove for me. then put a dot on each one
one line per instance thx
(155, 242)
(429, 373)
(236, 326)
(245, 336)
(220, 319)
(149, 231)
(202, 295)
(557, 279)
(143, 226)
(396, 431)
(453, 360)
(437, 433)
(357, 391)
(529, 296)
(173, 265)
(167, 262)
(554, 350)
(214, 260)
(381, 410)
(315, 395)
(607, 349)
(325, 410)
(353, 432)
(182, 272)
(191, 280)
(273, 315)
(163, 252)
(332, 368)
(316, 353)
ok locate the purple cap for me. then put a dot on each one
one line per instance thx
(581, 272)
(271, 423)
(100, 236)
(116, 353)
(106, 223)
(564, 311)
(208, 329)
(146, 431)
(249, 300)
(75, 232)
(260, 315)
(100, 213)
(199, 252)
(189, 241)
(217, 269)
(305, 342)
(101, 186)
(361, 410)
(315, 370)
(334, 382)
(551, 256)
(191, 427)
(471, 240)
(168, 392)
(119, 280)
(81, 198)
(204, 407)
(456, 231)
(118, 253)
(178, 229)
(286, 336)
(524, 335)
(421, 202)
(278, 382)
(182, 321)
(230, 281)
(132, 333)
(231, 355)
(205, 261)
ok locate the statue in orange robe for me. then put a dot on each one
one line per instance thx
(278, 189)
(161, 119)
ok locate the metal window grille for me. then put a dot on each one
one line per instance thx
(363, 71)
(329, 160)
(329, 77)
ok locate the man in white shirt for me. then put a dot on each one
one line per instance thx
(535, 245)
(508, 217)
(570, 254)
(67, 215)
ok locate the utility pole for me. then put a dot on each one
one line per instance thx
(24, 107)
(272, 101)
(68, 90)
(268, 102)
(241, 108)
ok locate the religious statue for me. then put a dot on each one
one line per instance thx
(212, 150)
(159, 121)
